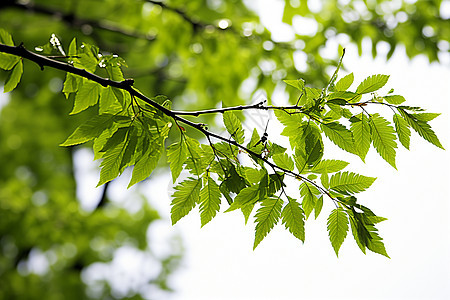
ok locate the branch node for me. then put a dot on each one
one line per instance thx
(129, 82)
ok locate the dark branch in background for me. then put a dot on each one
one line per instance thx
(74, 21)
(196, 25)
(103, 198)
(127, 85)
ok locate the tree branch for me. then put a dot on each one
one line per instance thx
(127, 85)
(259, 105)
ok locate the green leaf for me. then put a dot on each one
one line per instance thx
(177, 155)
(383, 136)
(337, 226)
(421, 127)
(359, 232)
(73, 48)
(185, 198)
(233, 126)
(196, 161)
(112, 159)
(425, 117)
(403, 131)
(147, 162)
(345, 82)
(253, 175)
(375, 243)
(209, 201)
(246, 195)
(298, 84)
(284, 161)
(325, 180)
(70, 84)
(329, 166)
(362, 136)
(88, 58)
(266, 217)
(318, 207)
(109, 104)
(86, 96)
(372, 84)
(234, 182)
(350, 183)
(339, 135)
(6, 38)
(89, 130)
(309, 147)
(293, 219)
(343, 95)
(394, 99)
(8, 61)
(14, 77)
(309, 194)
(293, 126)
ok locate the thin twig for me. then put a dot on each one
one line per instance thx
(127, 85)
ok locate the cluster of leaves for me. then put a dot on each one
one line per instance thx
(130, 130)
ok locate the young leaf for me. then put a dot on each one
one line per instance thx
(339, 135)
(89, 130)
(14, 77)
(86, 96)
(112, 159)
(70, 84)
(309, 194)
(350, 183)
(293, 219)
(318, 207)
(7, 61)
(309, 147)
(375, 243)
(246, 195)
(337, 226)
(359, 232)
(6, 38)
(130, 149)
(394, 99)
(293, 127)
(329, 166)
(325, 180)
(283, 161)
(360, 128)
(185, 198)
(209, 201)
(383, 136)
(109, 104)
(196, 161)
(425, 117)
(421, 127)
(345, 82)
(233, 126)
(403, 131)
(266, 217)
(177, 155)
(146, 163)
(298, 84)
(372, 84)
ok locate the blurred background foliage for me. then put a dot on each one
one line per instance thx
(201, 54)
